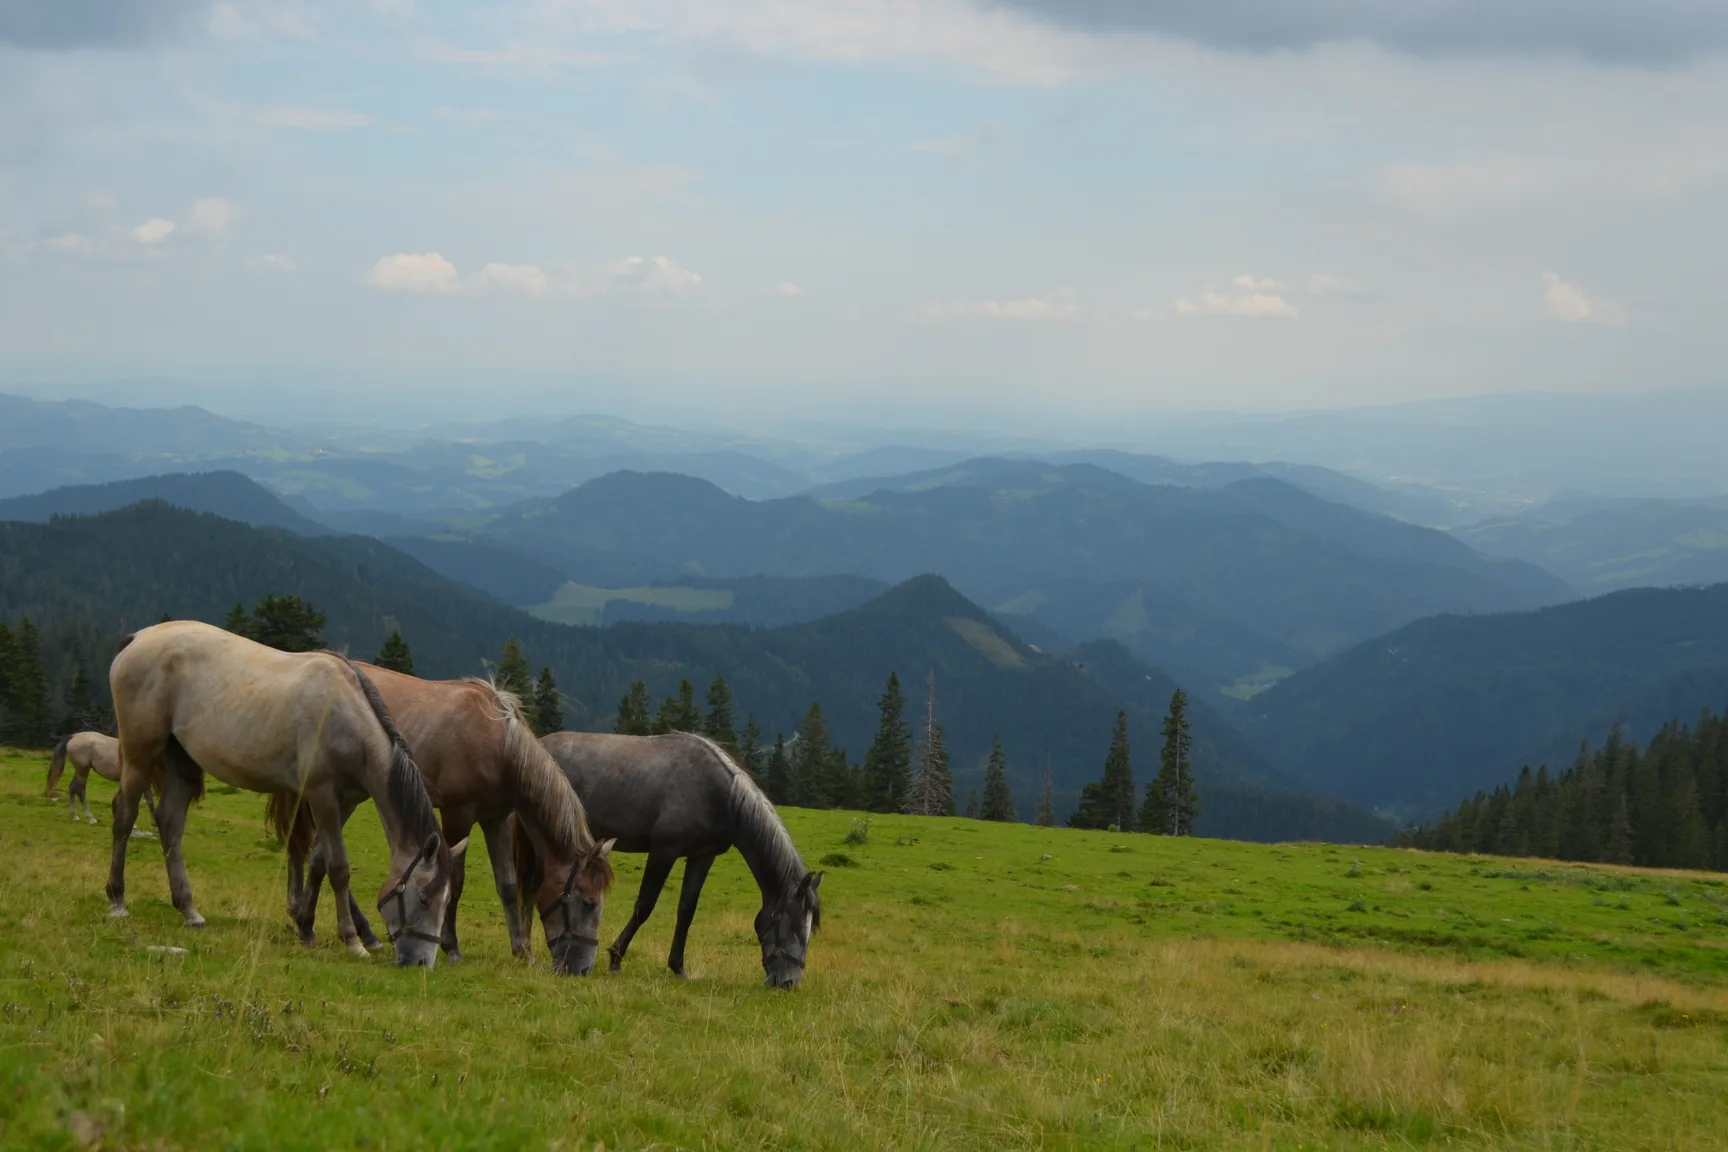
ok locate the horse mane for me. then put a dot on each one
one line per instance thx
(544, 790)
(406, 790)
(757, 822)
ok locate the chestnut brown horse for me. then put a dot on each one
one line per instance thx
(87, 752)
(481, 764)
(192, 699)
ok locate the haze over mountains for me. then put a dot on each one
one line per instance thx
(1336, 643)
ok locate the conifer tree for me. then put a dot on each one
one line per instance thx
(1619, 850)
(395, 655)
(547, 714)
(841, 787)
(718, 726)
(810, 761)
(5, 674)
(633, 718)
(288, 624)
(998, 800)
(512, 673)
(932, 788)
(750, 748)
(29, 718)
(888, 763)
(1046, 815)
(973, 810)
(1108, 802)
(679, 713)
(1172, 804)
(81, 713)
(779, 774)
(237, 621)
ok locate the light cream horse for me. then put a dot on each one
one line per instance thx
(87, 752)
(192, 699)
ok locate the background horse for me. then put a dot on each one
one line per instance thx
(193, 699)
(481, 764)
(88, 752)
(681, 795)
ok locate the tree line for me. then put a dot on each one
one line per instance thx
(1665, 806)
(29, 715)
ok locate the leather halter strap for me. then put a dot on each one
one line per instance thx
(562, 903)
(400, 893)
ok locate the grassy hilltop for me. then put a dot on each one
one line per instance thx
(973, 985)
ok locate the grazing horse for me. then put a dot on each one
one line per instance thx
(481, 764)
(681, 795)
(89, 752)
(192, 699)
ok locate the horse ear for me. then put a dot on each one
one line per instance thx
(458, 848)
(605, 848)
(429, 849)
(811, 882)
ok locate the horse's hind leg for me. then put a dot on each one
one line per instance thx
(504, 879)
(695, 875)
(654, 875)
(184, 781)
(75, 793)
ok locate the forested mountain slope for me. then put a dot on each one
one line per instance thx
(88, 580)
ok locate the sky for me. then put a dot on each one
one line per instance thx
(881, 207)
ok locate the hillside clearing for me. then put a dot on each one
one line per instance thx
(973, 985)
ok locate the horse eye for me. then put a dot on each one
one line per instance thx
(589, 904)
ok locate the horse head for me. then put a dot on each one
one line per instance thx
(413, 903)
(784, 930)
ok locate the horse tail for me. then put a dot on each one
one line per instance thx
(407, 790)
(530, 871)
(291, 824)
(57, 765)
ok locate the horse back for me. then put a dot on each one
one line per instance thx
(651, 793)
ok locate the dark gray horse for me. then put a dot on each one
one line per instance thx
(681, 795)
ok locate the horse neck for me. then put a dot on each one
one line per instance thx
(544, 801)
(775, 871)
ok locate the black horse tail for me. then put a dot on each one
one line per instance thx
(290, 823)
(530, 871)
(57, 765)
(407, 790)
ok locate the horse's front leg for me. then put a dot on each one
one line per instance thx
(497, 833)
(327, 814)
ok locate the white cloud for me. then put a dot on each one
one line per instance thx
(254, 20)
(513, 57)
(654, 275)
(271, 262)
(528, 279)
(1061, 304)
(1569, 304)
(71, 242)
(212, 215)
(1249, 305)
(1326, 284)
(786, 288)
(413, 272)
(1251, 283)
(153, 231)
(311, 119)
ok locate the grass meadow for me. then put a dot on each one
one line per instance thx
(972, 985)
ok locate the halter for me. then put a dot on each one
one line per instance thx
(400, 893)
(562, 903)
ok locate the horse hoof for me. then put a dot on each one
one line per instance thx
(374, 945)
(117, 912)
(193, 920)
(453, 956)
(359, 950)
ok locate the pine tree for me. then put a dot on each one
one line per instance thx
(998, 800)
(237, 621)
(888, 763)
(932, 788)
(633, 718)
(547, 715)
(1172, 805)
(1046, 815)
(512, 673)
(1619, 849)
(29, 716)
(5, 674)
(810, 761)
(679, 713)
(750, 748)
(1108, 802)
(81, 713)
(779, 783)
(972, 811)
(718, 726)
(841, 784)
(395, 655)
(288, 624)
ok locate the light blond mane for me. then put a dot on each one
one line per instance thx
(540, 784)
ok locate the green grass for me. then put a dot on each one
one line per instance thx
(583, 604)
(972, 986)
